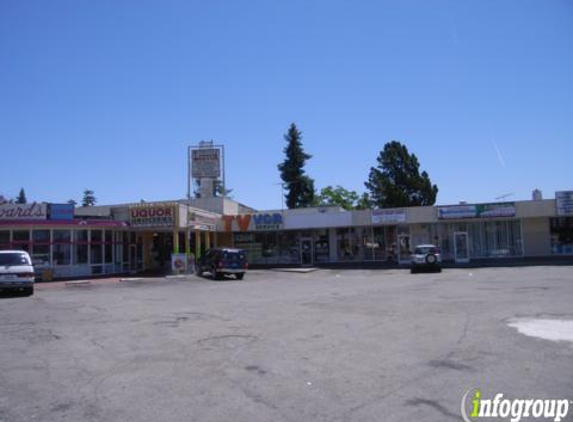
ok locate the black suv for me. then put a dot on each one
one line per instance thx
(221, 261)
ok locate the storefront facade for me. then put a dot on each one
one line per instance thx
(464, 233)
(91, 241)
(145, 237)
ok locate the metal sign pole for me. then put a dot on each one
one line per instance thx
(189, 173)
(223, 167)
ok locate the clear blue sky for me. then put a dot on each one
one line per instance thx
(108, 94)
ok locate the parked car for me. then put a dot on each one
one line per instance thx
(222, 261)
(16, 272)
(426, 257)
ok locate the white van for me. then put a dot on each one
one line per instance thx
(16, 272)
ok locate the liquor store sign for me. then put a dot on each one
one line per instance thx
(152, 216)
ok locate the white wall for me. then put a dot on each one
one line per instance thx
(317, 220)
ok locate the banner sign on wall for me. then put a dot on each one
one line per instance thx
(506, 209)
(206, 162)
(152, 216)
(388, 216)
(60, 212)
(33, 211)
(457, 211)
(564, 202)
(496, 210)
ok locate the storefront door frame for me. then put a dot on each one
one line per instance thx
(461, 255)
(306, 253)
(404, 256)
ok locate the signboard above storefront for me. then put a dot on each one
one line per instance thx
(152, 215)
(60, 212)
(388, 216)
(506, 209)
(206, 163)
(201, 221)
(253, 222)
(564, 202)
(13, 212)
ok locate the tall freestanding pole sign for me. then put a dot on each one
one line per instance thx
(206, 169)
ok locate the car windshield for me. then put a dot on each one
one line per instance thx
(424, 250)
(233, 256)
(14, 259)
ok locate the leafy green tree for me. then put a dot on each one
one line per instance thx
(72, 202)
(397, 181)
(300, 187)
(89, 199)
(220, 190)
(217, 189)
(364, 202)
(337, 196)
(21, 199)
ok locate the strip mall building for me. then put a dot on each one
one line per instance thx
(132, 238)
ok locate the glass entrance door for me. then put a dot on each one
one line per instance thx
(461, 249)
(306, 259)
(404, 248)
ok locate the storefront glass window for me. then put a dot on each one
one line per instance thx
(81, 235)
(97, 236)
(41, 236)
(321, 246)
(487, 239)
(61, 235)
(270, 248)
(96, 253)
(108, 253)
(368, 244)
(81, 253)
(561, 231)
(378, 245)
(41, 247)
(252, 246)
(61, 249)
(21, 236)
(61, 254)
(4, 239)
(349, 244)
(495, 239)
(288, 247)
(21, 239)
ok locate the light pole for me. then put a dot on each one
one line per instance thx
(282, 184)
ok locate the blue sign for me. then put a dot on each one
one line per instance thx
(60, 212)
(268, 221)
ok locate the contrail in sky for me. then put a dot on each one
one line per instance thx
(499, 156)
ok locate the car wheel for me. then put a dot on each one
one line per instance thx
(240, 276)
(431, 259)
(29, 291)
(214, 274)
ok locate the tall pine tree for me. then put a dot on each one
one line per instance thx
(89, 199)
(300, 187)
(397, 181)
(21, 199)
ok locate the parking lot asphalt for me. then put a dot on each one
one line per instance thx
(353, 345)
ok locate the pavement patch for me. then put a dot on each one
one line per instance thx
(295, 270)
(78, 283)
(547, 329)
